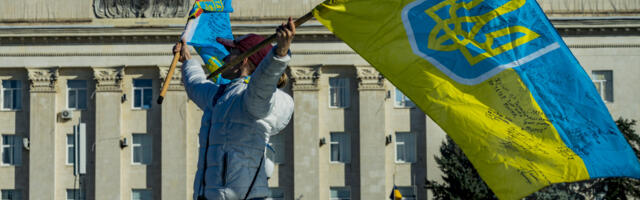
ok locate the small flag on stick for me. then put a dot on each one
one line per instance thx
(395, 194)
(208, 20)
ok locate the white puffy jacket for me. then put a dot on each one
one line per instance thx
(237, 127)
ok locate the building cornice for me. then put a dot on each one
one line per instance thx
(153, 53)
(43, 80)
(158, 34)
(305, 78)
(312, 32)
(108, 79)
(369, 78)
(598, 30)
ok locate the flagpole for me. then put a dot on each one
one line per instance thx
(256, 48)
(165, 86)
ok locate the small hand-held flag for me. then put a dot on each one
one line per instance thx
(497, 77)
(208, 20)
(395, 194)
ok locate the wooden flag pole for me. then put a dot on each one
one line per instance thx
(256, 48)
(165, 86)
(233, 62)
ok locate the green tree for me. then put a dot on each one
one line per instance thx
(461, 180)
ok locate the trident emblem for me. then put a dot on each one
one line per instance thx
(462, 39)
(473, 40)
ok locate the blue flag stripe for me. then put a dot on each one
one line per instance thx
(569, 99)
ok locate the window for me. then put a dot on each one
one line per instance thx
(402, 100)
(11, 195)
(338, 92)
(140, 194)
(340, 193)
(76, 194)
(275, 194)
(142, 148)
(405, 147)
(407, 193)
(11, 95)
(11, 150)
(77, 94)
(142, 91)
(603, 79)
(340, 147)
(71, 149)
(276, 154)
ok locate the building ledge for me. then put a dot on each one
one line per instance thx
(312, 31)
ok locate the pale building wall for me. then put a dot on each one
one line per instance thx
(306, 134)
(193, 116)
(275, 8)
(16, 123)
(46, 11)
(65, 127)
(435, 138)
(307, 172)
(623, 61)
(142, 121)
(334, 120)
(44, 157)
(108, 133)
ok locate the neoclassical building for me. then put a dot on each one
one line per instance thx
(78, 118)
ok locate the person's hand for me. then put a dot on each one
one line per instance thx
(184, 51)
(284, 36)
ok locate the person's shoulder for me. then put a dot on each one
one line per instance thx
(281, 95)
(284, 105)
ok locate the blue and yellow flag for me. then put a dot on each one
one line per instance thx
(208, 20)
(203, 6)
(497, 77)
(395, 194)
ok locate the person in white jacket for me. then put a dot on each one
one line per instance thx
(239, 117)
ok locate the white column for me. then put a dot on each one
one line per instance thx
(42, 133)
(108, 171)
(306, 166)
(371, 135)
(176, 183)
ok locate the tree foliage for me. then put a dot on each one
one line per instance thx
(462, 181)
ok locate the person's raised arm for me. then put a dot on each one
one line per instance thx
(199, 89)
(263, 84)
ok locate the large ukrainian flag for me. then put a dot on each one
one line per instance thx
(497, 77)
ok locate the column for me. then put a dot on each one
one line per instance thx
(42, 132)
(108, 172)
(419, 169)
(372, 134)
(175, 181)
(306, 163)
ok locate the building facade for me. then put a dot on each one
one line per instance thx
(95, 68)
